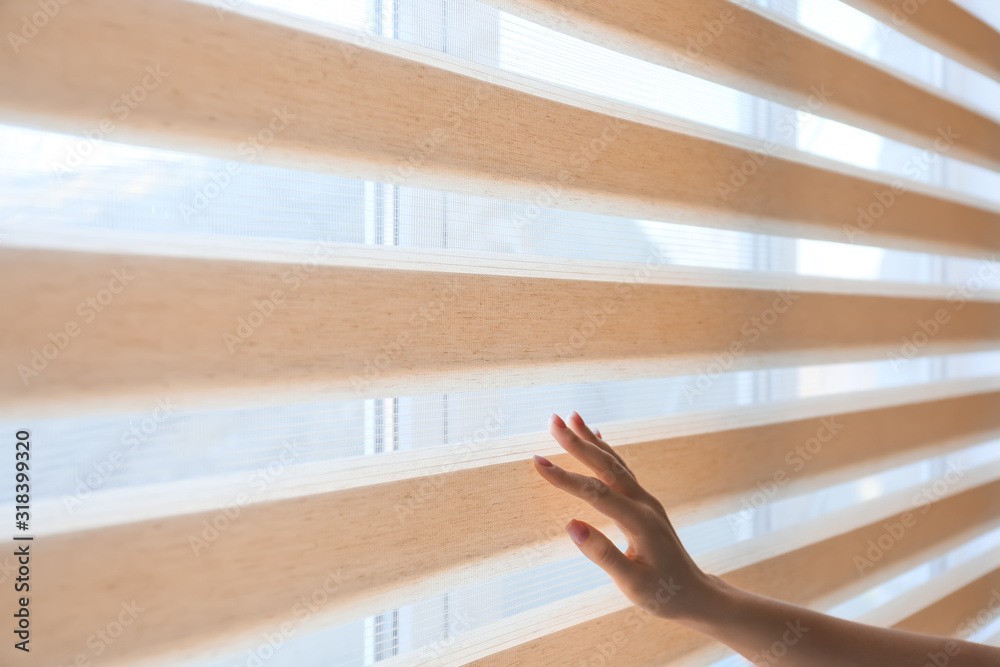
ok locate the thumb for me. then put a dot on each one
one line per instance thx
(598, 548)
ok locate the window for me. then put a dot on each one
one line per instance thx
(375, 243)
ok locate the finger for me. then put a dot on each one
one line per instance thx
(608, 467)
(609, 502)
(602, 443)
(581, 429)
(602, 551)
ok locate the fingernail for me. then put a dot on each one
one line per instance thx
(542, 461)
(557, 420)
(597, 432)
(577, 531)
(576, 415)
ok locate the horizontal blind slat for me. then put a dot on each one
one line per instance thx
(741, 48)
(950, 614)
(932, 595)
(945, 27)
(221, 330)
(428, 127)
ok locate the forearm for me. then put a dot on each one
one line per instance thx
(771, 632)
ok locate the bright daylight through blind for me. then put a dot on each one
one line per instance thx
(296, 285)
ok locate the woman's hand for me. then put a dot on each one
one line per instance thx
(655, 573)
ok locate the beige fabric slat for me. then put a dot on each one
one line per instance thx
(175, 329)
(935, 592)
(368, 114)
(266, 556)
(823, 571)
(944, 26)
(736, 46)
(950, 615)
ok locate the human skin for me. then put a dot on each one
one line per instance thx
(748, 623)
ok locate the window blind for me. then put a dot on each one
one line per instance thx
(293, 288)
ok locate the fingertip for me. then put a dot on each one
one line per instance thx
(578, 531)
(556, 420)
(580, 427)
(542, 461)
(597, 432)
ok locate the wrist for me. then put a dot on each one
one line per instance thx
(703, 601)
